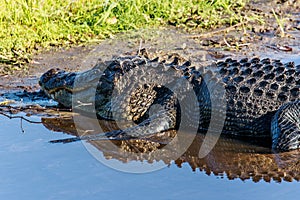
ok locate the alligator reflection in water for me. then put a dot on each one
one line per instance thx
(230, 158)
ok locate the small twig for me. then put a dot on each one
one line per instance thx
(19, 117)
(226, 42)
(21, 125)
(272, 47)
(216, 31)
(236, 45)
(140, 47)
(246, 44)
(279, 22)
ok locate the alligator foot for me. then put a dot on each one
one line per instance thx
(160, 122)
(286, 127)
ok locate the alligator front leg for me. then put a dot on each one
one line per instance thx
(286, 127)
(161, 121)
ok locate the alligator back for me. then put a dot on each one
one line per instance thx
(255, 89)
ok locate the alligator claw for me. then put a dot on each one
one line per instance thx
(66, 140)
(114, 135)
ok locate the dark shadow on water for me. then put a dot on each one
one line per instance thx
(230, 158)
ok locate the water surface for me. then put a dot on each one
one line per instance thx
(33, 168)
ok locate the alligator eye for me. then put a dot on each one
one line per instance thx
(52, 72)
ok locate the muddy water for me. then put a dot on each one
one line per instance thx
(33, 168)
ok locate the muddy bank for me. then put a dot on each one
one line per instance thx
(278, 37)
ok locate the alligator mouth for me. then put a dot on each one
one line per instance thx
(57, 80)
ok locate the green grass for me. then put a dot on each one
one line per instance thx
(30, 25)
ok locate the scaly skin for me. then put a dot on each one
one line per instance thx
(130, 88)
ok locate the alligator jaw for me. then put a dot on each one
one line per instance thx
(60, 85)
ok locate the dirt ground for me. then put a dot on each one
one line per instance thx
(257, 39)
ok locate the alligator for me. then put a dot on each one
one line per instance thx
(259, 99)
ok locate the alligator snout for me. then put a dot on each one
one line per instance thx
(50, 74)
